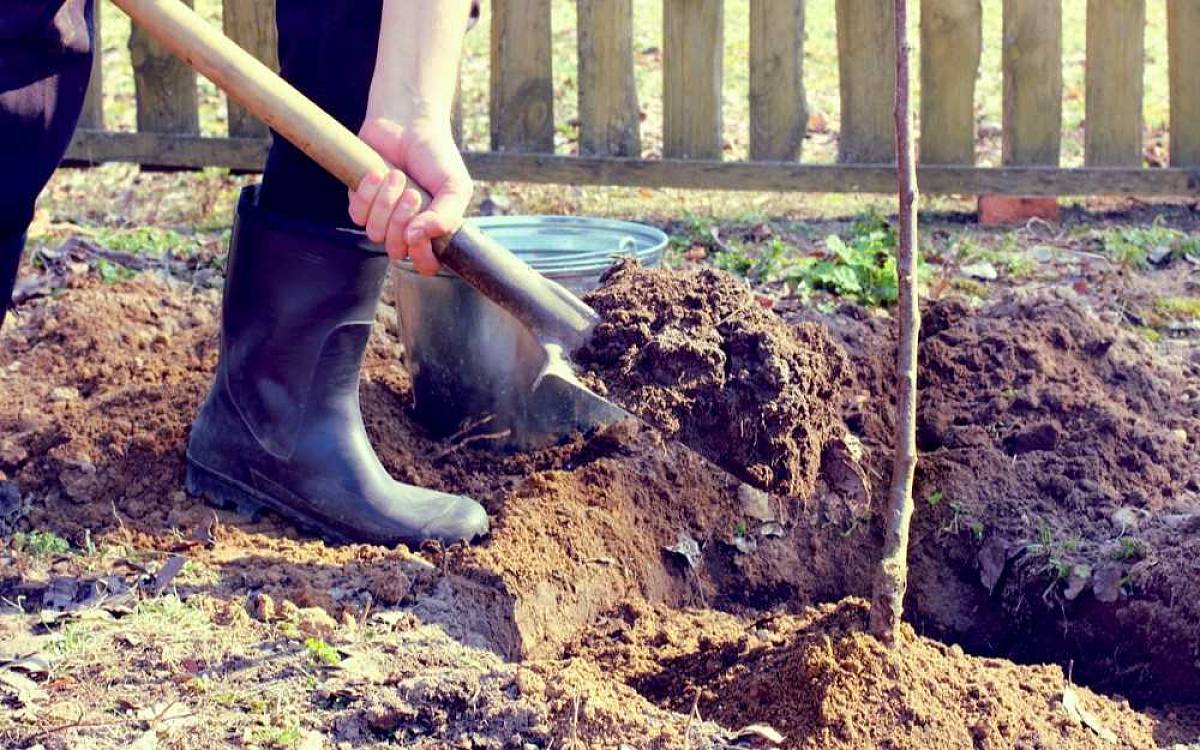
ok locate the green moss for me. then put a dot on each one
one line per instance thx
(1178, 308)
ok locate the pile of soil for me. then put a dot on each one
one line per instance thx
(1058, 488)
(695, 354)
(822, 682)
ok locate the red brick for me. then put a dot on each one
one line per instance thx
(1007, 210)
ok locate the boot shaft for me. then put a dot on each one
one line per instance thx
(299, 300)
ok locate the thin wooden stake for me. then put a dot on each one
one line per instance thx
(891, 581)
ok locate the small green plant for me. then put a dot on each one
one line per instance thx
(41, 543)
(861, 267)
(741, 529)
(1138, 246)
(1129, 549)
(287, 736)
(322, 653)
(147, 241)
(977, 529)
(111, 273)
(935, 498)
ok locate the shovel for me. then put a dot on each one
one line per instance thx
(561, 323)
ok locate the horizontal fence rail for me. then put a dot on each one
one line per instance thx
(522, 118)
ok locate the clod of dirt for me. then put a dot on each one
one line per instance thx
(822, 682)
(694, 353)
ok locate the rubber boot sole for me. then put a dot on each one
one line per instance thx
(230, 494)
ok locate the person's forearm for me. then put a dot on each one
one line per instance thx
(416, 68)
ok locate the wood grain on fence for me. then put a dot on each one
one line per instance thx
(522, 89)
(1116, 52)
(693, 41)
(867, 80)
(1183, 24)
(522, 115)
(609, 120)
(1033, 88)
(250, 23)
(165, 87)
(951, 45)
(778, 108)
(162, 149)
(92, 115)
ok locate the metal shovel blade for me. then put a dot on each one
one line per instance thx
(560, 404)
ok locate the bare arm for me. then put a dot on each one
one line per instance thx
(408, 122)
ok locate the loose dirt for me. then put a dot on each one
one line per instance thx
(695, 354)
(1058, 487)
(822, 682)
(599, 544)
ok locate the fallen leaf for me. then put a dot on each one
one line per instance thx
(771, 529)
(311, 739)
(1106, 583)
(166, 573)
(755, 503)
(984, 271)
(1077, 581)
(745, 544)
(1074, 709)
(25, 690)
(687, 548)
(756, 732)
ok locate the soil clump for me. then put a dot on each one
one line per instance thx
(695, 354)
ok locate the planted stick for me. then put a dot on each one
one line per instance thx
(891, 580)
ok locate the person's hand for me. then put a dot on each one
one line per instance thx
(389, 209)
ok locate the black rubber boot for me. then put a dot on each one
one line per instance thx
(281, 428)
(10, 258)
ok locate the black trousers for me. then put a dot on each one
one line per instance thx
(326, 50)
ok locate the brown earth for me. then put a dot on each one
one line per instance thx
(695, 354)
(1058, 488)
(96, 406)
(822, 682)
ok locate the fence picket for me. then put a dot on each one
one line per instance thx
(1116, 50)
(164, 86)
(951, 45)
(250, 23)
(1033, 88)
(92, 116)
(693, 42)
(521, 103)
(608, 104)
(522, 90)
(867, 80)
(1183, 25)
(778, 106)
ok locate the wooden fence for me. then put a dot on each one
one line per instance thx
(522, 100)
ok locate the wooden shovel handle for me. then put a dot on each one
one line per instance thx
(550, 311)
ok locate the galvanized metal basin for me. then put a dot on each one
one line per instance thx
(473, 364)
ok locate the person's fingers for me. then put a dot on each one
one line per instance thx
(384, 204)
(406, 208)
(362, 198)
(445, 213)
(423, 258)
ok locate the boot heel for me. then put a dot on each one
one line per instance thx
(219, 491)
